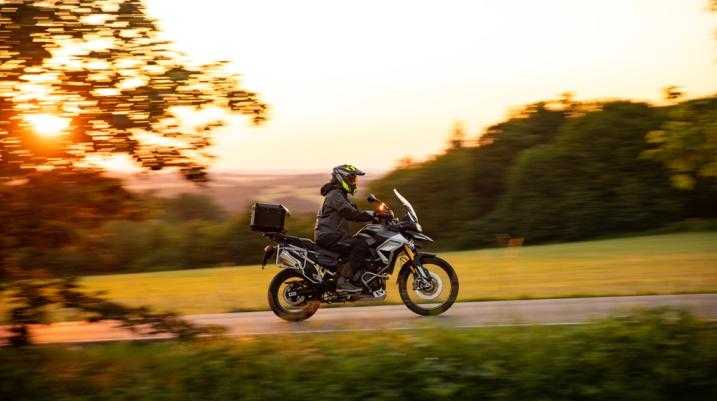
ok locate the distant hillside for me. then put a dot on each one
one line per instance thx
(236, 191)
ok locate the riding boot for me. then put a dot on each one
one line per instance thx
(356, 278)
(344, 285)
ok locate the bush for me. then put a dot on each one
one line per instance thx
(654, 355)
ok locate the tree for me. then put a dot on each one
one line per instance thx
(532, 125)
(687, 143)
(101, 68)
(590, 180)
(672, 93)
(44, 213)
(81, 78)
(458, 136)
(42, 217)
(463, 185)
(405, 162)
(187, 206)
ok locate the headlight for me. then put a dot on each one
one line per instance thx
(419, 228)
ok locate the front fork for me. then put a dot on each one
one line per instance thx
(416, 266)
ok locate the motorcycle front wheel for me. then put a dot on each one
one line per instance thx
(284, 301)
(432, 296)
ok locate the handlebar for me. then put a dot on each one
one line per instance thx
(383, 218)
(381, 209)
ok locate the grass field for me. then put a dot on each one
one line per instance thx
(660, 264)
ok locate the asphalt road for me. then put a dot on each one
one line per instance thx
(396, 317)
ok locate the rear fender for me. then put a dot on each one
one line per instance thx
(269, 251)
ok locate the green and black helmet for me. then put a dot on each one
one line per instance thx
(345, 176)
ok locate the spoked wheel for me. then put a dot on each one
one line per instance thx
(431, 296)
(285, 300)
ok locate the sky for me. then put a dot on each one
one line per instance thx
(370, 82)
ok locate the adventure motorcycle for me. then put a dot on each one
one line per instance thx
(427, 284)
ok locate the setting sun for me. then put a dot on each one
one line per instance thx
(48, 125)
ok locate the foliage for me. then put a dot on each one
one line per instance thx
(465, 183)
(186, 231)
(46, 212)
(54, 226)
(687, 143)
(100, 78)
(555, 171)
(590, 180)
(186, 206)
(458, 136)
(103, 65)
(654, 355)
(30, 301)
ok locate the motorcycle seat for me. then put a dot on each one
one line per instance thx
(311, 246)
(301, 242)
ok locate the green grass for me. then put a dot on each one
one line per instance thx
(652, 355)
(660, 264)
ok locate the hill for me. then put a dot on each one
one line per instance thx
(235, 191)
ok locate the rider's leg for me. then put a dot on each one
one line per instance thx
(344, 271)
(358, 252)
(332, 243)
(357, 257)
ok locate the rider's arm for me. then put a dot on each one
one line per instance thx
(347, 210)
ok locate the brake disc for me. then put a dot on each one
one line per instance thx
(293, 300)
(436, 286)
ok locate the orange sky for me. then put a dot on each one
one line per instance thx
(368, 82)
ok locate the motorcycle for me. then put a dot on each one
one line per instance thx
(427, 284)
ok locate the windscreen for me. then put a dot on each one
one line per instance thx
(411, 212)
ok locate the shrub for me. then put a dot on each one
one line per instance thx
(654, 355)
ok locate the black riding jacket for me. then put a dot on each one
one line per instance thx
(332, 220)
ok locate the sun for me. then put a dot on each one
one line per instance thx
(48, 125)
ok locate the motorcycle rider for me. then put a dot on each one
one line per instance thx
(332, 229)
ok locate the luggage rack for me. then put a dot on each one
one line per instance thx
(303, 252)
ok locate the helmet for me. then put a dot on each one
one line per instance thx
(345, 176)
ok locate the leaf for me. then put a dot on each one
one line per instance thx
(683, 181)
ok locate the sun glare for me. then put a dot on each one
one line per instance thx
(48, 125)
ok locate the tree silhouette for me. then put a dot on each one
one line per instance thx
(100, 74)
(687, 143)
(672, 93)
(104, 67)
(458, 136)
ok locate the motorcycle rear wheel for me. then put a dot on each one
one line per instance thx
(292, 309)
(427, 302)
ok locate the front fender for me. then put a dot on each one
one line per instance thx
(420, 255)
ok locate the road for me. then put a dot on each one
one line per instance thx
(396, 317)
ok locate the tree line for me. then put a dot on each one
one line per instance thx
(552, 171)
(89, 224)
(564, 170)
